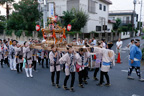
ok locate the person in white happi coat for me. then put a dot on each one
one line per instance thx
(98, 61)
(69, 60)
(54, 57)
(12, 55)
(6, 52)
(107, 58)
(34, 58)
(27, 55)
(44, 55)
(19, 57)
(2, 54)
(81, 58)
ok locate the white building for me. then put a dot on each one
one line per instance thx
(127, 17)
(97, 10)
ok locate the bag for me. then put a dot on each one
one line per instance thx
(24, 61)
(78, 67)
(94, 57)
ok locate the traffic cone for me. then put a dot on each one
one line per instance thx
(118, 59)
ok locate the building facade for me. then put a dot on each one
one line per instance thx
(127, 17)
(98, 11)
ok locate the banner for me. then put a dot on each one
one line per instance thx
(51, 9)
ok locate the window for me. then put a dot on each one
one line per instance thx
(104, 8)
(127, 20)
(91, 6)
(100, 6)
(104, 27)
(98, 28)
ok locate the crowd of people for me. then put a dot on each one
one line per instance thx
(21, 56)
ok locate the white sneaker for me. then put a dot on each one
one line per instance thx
(14, 69)
(141, 79)
(27, 75)
(31, 76)
(129, 77)
(11, 69)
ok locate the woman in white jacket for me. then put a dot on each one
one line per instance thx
(54, 57)
(27, 54)
(69, 60)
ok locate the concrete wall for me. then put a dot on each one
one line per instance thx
(125, 35)
(22, 37)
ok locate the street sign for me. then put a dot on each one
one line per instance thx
(69, 27)
(37, 27)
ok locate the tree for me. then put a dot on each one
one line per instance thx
(77, 18)
(2, 23)
(25, 16)
(117, 24)
(7, 2)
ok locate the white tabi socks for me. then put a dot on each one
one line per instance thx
(30, 70)
(26, 70)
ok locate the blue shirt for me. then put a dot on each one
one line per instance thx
(135, 52)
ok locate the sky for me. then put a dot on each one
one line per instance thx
(117, 5)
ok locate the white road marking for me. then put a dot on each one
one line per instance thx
(127, 71)
(135, 95)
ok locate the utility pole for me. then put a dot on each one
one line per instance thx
(140, 16)
(133, 26)
(45, 14)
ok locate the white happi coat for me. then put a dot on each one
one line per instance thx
(78, 59)
(27, 54)
(69, 61)
(44, 53)
(6, 51)
(34, 54)
(98, 59)
(105, 58)
(52, 63)
(18, 51)
(1, 53)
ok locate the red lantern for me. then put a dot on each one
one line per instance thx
(55, 18)
(69, 27)
(45, 36)
(37, 27)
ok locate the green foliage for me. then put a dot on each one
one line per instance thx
(2, 2)
(2, 24)
(73, 32)
(77, 19)
(68, 17)
(93, 32)
(2, 18)
(40, 35)
(24, 17)
(112, 31)
(28, 33)
(143, 54)
(18, 32)
(8, 32)
(117, 24)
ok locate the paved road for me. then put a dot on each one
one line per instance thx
(13, 84)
